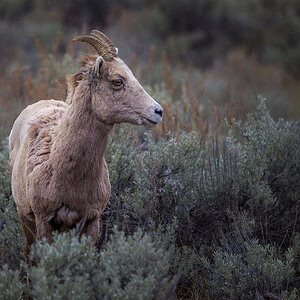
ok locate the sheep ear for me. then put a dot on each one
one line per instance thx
(97, 67)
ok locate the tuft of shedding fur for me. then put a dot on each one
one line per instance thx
(87, 61)
(40, 135)
(60, 179)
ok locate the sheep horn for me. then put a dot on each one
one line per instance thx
(103, 38)
(100, 45)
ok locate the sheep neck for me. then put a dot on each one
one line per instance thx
(80, 145)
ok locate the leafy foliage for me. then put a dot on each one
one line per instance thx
(270, 161)
(10, 286)
(128, 268)
(252, 273)
(11, 235)
(134, 268)
(209, 219)
(241, 187)
(64, 269)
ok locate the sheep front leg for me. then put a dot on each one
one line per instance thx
(92, 229)
(29, 229)
(44, 229)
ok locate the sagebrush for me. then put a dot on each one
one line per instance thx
(197, 219)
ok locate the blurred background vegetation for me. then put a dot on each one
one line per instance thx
(206, 205)
(223, 52)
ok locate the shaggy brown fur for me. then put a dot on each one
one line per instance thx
(59, 176)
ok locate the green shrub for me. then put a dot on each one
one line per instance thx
(128, 268)
(64, 269)
(10, 286)
(270, 154)
(242, 187)
(164, 177)
(11, 235)
(120, 158)
(179, 177)
(254, 272)
(269, 159)
(204, 212)
(134, 268)
(255, 169)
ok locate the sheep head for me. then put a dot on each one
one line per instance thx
(116, 95)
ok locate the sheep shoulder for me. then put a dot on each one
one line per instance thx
(30, 143)
(41, 132)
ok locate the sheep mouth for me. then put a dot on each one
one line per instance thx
(149, 122)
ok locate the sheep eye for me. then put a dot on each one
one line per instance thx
(117, 82)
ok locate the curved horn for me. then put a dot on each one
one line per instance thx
(102, 48)
(103, 38)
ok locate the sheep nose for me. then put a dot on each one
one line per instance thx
(159, 111)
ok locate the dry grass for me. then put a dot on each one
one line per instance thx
(197, 103)
(24, 87)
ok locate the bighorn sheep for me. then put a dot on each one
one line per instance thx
(60, 179)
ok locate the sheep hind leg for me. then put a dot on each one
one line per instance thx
(29, 229)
